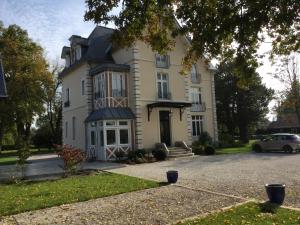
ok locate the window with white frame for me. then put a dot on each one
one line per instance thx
(197, 125)
(100, 86)
(117, 132)
(78, 52)
(162, 61)
(82, 87)
(118, 85)
(196, 96)
(73, 127)
(93, 137)
(66, 129)
(67, 60)
(67, 95)
(162, 86)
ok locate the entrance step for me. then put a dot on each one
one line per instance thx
(181, 155)
(178, 152)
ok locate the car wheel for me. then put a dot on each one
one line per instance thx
(257, 148)
(288, 149)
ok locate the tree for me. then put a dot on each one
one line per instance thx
(212, 25)
(50, 122)
(288, 73)
(27, 76)
(240, 108)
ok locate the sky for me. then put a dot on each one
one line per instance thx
(52, 22)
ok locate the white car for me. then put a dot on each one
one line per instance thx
(278, 142)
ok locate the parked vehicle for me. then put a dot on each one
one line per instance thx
(278, 142)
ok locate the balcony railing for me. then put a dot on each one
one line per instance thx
(161, 97)
(67, 104)
(196, 107)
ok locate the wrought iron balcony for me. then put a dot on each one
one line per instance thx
(163, 96)
(198, 107)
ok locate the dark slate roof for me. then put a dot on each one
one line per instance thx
(110, 114)
(3, 93)
(285, 121)
(95, 48)
(109, 66)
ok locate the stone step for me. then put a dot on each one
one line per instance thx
(178, 152)
(181, 155)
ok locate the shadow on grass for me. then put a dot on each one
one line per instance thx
(268, 207)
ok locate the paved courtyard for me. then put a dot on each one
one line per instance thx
(240, 174)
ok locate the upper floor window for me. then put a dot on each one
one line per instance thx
(66, 129)
(78, 52)
(196, 96)
(67, 97)
(67, 60)
(197, 125)
(118, 85)
(162, 86)
(82, 87)
(73, 127)
(162, 61)
(194, 75)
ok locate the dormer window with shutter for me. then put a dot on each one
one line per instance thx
(162, 61)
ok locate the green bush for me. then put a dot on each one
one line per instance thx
(137, 156)
(120, 155)
(9, 147)
(159, 154)
(209, 150)
(205, 139)
(198, 149)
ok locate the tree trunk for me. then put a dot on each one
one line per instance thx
(1, 137)
(244, 133)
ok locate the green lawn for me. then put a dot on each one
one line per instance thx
(250, 213)
(9, 157)
(245, 149)
(8, 160)
(16, 198)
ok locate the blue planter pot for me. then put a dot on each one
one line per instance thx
(172, 176)
(276, 193)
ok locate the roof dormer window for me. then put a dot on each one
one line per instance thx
(67, 61)
(78, 52)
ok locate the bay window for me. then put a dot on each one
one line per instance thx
(118, 85)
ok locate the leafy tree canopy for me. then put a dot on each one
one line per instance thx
(240, 108)
(212, 25)
(27, 78)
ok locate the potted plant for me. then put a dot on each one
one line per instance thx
(172, 176)
(276, 193)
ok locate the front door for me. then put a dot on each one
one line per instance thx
(164, 119)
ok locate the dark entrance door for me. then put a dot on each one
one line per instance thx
(164, 118)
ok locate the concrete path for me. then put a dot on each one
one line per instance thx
(163, 205)
(47, 165)
(240, 174)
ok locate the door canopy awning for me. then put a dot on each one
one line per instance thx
(168, 104)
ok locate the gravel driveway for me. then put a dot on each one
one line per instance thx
(237, 174)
